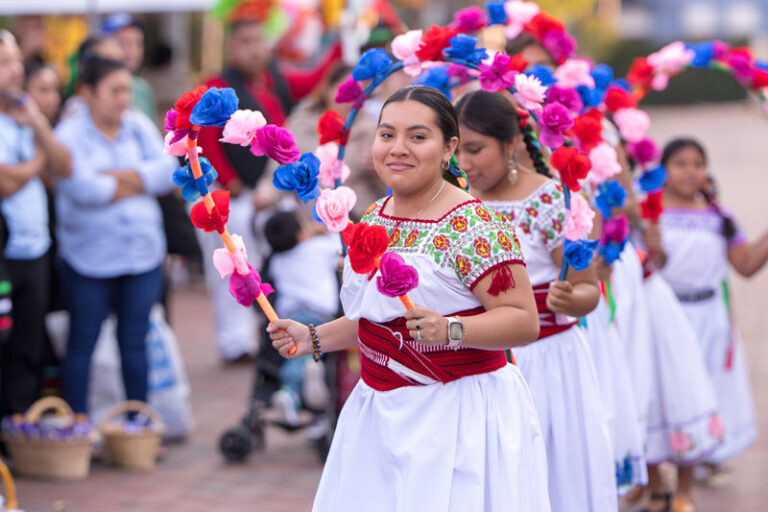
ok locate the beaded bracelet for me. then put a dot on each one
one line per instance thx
(316, 350)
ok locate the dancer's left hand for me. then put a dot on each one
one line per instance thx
(432, 327)
(560, 296)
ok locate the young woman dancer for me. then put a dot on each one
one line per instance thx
(439, 421)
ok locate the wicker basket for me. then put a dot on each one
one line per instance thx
(132, 450)
(10, 489)
(50, 458)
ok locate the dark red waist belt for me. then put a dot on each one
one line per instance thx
(549, 325)
(391, 359)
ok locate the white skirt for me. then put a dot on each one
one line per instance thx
(473, 444)
(561, 374)
(724, 356)
(683, 424)
(618, 399)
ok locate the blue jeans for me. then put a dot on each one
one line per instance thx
(90, 300)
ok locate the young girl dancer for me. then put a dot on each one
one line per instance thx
(439, 422)
(559, 367)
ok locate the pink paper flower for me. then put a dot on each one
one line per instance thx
(605, 162)
(633, 123)
(644, 151)
(330, 166)
(573, 73)
(578, 220)
(518, 14)
(247, 288)
(680, 442)
(226, 263)
(178, 148)
(242, 127)
(530, 93)
(495, 73)
(554, 121)
(404, 48)
(715, 427)
(671, 59)
(277, 143)
(349, 91)
(396, 278)
(333, 207)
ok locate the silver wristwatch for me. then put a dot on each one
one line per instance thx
(455, 332)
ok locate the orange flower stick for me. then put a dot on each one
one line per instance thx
(404, 298)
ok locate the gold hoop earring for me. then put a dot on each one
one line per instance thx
(446, 166)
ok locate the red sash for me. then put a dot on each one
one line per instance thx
(548, 320)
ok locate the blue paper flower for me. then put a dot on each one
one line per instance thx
(610, 195)
(543, 73)
(612, 251)
(497, 14)
(603, 75)
(437, 78)
(653, 179)
(623, 83)
(579, 253)
(192, 189)
(300, 176)
(372, 63)
(762, 64)
(463, 47)
(215, 107)
(704, 52)
(590, 97)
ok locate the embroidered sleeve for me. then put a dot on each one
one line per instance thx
(739, 238)
(370, 212)
(486, 244)
(550, 215)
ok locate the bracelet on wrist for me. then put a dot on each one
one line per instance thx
(317, 351)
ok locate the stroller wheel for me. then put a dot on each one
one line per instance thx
(235, 444)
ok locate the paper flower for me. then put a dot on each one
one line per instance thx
(184, 106)
(605, 162)
(703, 53)
(497, 14)
(396, 278)
(529, 92)
(247, 288)
(242, 127)
(432, 43)
(652, 206)
(560, 44)
(633, 123)
(175, 148)
(366, 245)
(372, 63)
(759, 79)
(215, 107)
(496, 74)
(217, 218)
(614, 237)
(330, 165)
(740, 61)
(275, 142)
(543, 23)
(553, 122)
(192, 189)
(640, 72)
(469, 20)
(671, 59)
(610, 195)
(226, 263)
(617, 98)
(518, 14)
(463, 47)
(602, 74)
(349, 91)
(588, 128)
(574, 72)
(436, 78)
(333, 207)
(330, 126)
(572, 166)
(300, 176)
(590, 97)
(404, 48)
(644, 151)
(566, 97)
(543, 73)
(578, 219)
(170, 120)
(653, 179)
(579, 253)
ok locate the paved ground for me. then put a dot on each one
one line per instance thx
(192, 478)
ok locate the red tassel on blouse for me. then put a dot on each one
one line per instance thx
(502, 281)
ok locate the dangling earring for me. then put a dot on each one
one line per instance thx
(513, 172)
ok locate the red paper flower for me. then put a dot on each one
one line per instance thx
(652, 206)
(617, 98)
(543, 23)
(518, 63)
(640, 72)
(588, 128)
(185, 104)
(433, 42)
(759, 79)
(215, 220)
(366, 246)
(572, 165)
(330, 126)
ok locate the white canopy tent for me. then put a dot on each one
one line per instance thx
(20, 7)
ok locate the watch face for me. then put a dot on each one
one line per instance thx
(456, 331)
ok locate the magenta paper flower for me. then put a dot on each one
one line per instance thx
(644, 151)
(518, 14)
(560, 44)
(605, 162)
(277, 143)
(530, 93)
(349, 91)
(404, 48)
(330, 165)
(578, 220)
(633, 123)
(333, 207)
(573, 73)
(247, 288)
(170, 120)
(554, 121)
(242, 127)
(569, 98)
(469, 20)
(396, 277)
(496, 75)
(615, 229)
(226, 263)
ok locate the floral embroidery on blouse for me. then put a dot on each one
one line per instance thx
(699, 220)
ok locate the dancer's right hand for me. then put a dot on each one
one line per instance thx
(286, 333)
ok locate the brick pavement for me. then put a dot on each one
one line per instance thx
(193, 478)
